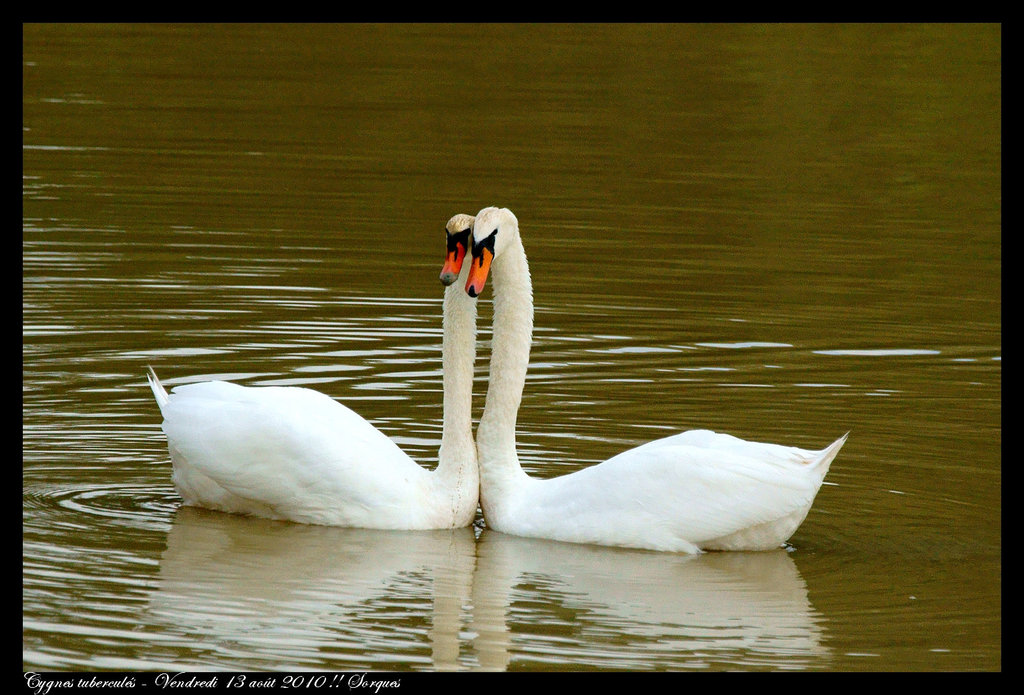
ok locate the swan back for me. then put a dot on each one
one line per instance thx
(293, 451)
(691, 491)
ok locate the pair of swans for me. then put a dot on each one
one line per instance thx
(296, 454)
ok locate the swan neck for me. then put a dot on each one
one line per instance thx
(458, 353)
(510, 357)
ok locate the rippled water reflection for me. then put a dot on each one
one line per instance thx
(798, 239)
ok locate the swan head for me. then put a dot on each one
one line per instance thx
(459, 230)
(493, 230)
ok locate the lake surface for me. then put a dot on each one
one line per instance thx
(781, 232)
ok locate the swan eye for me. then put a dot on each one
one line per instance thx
(458, 239)
(487, 243)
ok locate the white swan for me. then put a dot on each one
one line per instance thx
(694, 491)
(296, 454)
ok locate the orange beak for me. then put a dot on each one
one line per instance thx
(453, 265)
(478, 272)
(458, 245)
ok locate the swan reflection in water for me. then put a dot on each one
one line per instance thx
(277, 595)
(635, 609)
(244, 593)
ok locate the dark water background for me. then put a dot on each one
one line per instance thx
(784, 232)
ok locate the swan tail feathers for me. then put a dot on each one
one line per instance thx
(159, 392)
(830, 452)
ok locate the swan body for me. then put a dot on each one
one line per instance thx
(296, 454)
(694, 491)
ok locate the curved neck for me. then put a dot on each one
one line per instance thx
(457, 455)
(510, 357)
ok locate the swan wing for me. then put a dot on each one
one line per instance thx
(284, 452)
(678, 492)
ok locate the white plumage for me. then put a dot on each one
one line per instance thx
(296, 454)
(698, 490)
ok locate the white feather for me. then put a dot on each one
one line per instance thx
(693, 491)
(296, 454)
